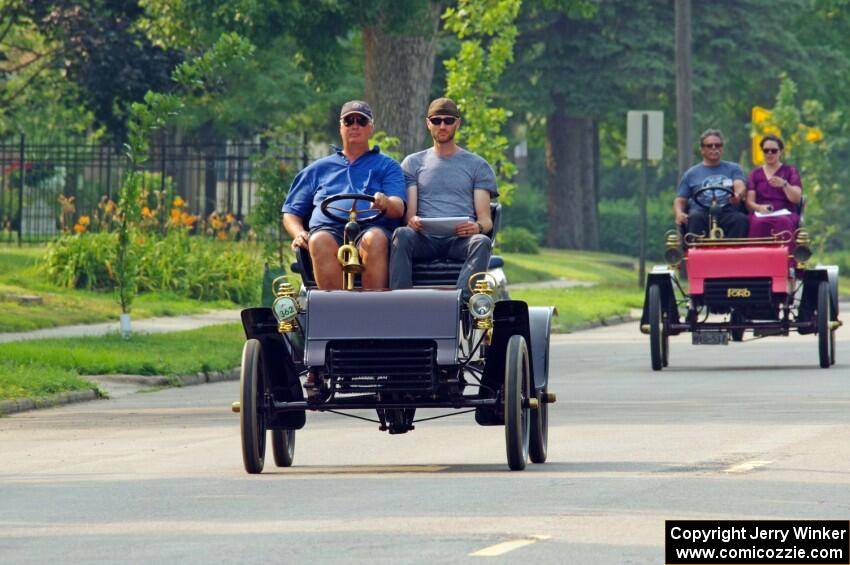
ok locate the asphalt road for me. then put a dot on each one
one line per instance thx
(752, 430)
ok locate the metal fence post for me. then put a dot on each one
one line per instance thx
(21, 191)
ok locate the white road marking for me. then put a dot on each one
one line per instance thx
(504, 547)
(747, 466)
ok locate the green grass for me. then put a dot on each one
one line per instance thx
(602, 268)
(33, 379)
(580, 305)
(20, 275)
(615, 292)
(212, 348)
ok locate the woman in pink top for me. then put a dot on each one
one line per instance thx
(772, 187)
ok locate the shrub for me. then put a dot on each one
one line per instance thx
(517, 240)
(82, 261)
(192, 267)
(619, 227)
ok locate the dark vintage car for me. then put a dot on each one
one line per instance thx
(737, 285)
(396, 352)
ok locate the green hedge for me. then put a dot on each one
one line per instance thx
(187, 266)
(619, 227)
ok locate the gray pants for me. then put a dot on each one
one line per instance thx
(408, 245)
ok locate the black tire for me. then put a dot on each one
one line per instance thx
(516, 394)
(832, 347)
(539, 435)
(824, 315)
(665, 346)
(283, 447)
(737, 318)
(655, 328)
(252, 416)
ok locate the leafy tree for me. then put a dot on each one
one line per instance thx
(99, 48)
(487, 32)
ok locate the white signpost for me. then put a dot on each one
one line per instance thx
(644, 141)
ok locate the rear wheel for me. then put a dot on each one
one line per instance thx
(656, 339)
(283, 447)
(516, 394)
(826, 341)
(252, 413)
(539, 440)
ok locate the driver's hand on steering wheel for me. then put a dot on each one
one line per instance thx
(381, 202)
(415, 223)
(300, 240)
(681, 218)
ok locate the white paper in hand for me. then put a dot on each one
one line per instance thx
(783, 212)
(442, 226)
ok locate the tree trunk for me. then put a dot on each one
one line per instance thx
(398, 72)
(587, 189)
(562, 179)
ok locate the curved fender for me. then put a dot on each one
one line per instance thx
(663, 277)
(540, 328)
(810, 279)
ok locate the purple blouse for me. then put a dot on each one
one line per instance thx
(775, 196)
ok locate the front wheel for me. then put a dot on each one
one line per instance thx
(826, 341)
(516, 393)
(252, 415)
(283, 447)
(656, 339)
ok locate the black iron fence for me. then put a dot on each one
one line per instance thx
(36, 178)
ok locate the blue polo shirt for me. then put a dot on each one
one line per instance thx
(370, 173)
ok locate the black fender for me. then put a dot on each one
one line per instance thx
(663, 277)
(811, 279)
(510, 317)
(279, 369)
(540, 328)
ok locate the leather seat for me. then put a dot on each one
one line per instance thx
(439, 272)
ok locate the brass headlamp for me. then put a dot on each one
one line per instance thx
(284, 307)
(673, 253)
(803, 251)
(481, 303)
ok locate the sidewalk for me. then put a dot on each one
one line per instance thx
(147, 325)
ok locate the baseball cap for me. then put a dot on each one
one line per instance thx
(443, 107)
(355, 107)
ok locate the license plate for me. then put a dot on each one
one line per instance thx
(710, 338)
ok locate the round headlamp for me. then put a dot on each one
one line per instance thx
(673, 256)
(285, 308)
(481, 306)
(802, 254)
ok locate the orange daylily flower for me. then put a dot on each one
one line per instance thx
(84, 220)
(146, 212)
(175, 214)
(221, 235)
(179, 202)
(79, 228)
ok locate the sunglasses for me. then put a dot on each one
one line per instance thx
(441, 121)
(361, 120)
(713, 145)
(771, 150)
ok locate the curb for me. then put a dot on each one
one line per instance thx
(610, 321)
(25, 404)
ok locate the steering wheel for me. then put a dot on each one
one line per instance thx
(345, 215)
(712, 191)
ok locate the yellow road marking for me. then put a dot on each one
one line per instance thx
(504, 547)
(747, 466)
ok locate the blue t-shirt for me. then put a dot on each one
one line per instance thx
(370, 173)
(698, 176)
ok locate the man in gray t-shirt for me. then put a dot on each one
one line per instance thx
(444, 181)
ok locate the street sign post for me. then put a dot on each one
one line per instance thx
(644, 141)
